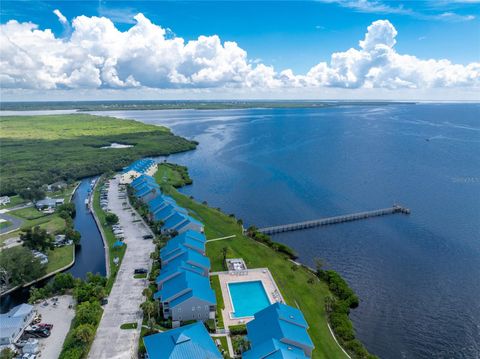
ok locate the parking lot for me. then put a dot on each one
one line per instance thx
(60, 315)
(126, 295)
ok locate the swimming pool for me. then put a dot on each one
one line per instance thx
(248, 298)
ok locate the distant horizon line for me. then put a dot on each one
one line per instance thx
(245, 101)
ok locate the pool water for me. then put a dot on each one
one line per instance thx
(248, 298)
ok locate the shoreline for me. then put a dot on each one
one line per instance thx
(100, 227)
(46, 276)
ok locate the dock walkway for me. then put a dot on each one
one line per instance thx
(334, 220)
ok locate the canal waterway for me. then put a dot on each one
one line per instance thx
(89, 257)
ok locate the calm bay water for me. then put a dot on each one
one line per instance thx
(418, 276)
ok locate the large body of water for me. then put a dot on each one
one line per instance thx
(418, 276)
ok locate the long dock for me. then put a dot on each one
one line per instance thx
(334, 220)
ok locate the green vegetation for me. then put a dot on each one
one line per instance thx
(37, 238)
(60, 257)
(88, 313)
(299, 286)
(5, 224)
(128, 326)
(117, 252)
(14, 201)
(7, 353)
(220, 304)
(37, 150)
(224, 346)
(140, 276)
(28, 213)
(173, 174)
(19, 266)
(240, 329)
(173, 105)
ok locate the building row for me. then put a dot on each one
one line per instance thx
(183, 284)
(145, 166)
(278, 331)
(163, 208)
(185, 293)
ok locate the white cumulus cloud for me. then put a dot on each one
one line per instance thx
(98, 55)
(61, 17)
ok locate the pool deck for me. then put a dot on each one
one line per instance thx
(249, 275)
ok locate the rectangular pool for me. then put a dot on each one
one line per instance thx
(247, 298)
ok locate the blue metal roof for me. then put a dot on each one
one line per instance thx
(274, 349)
(159, 202)
(140, 166)
(175, 220)
(187, 255)
(167, 211)
(147, 190)
(185, 282)
(188, 342)
(191, 239)
(281, 322)
(189, 221)
(141, 180)
(169, 271)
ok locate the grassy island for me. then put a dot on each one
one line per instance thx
(39, 150)
(299, 286)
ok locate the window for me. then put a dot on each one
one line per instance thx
(193, 309)
(179, 310)
(199, 308)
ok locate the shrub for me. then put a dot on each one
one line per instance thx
(240, 329)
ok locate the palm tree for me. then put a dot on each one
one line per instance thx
(224, 253)
(147, 292)
(148, 308)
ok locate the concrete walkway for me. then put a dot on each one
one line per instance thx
(124, 301)
(222, 238)
(229, 343)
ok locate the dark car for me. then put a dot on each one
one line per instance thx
(147, 236)
(140, 271)
(45, 326)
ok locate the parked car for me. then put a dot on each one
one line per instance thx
(140, 271)
(45, 326)
(147, 236)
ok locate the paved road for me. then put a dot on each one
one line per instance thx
(16, 223)
(124, 301)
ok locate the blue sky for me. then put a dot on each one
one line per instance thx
(286, 35)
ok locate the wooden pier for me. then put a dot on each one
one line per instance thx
(334, 220)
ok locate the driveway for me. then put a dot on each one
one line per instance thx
(124, 301)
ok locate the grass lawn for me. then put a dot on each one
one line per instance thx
(5, 224)
(172, 174)
(291, 280)
(51, 223)
(223, 341)
(59, 258)
(128, 326)
(220, 305)
(110, 237)
(14, 201)
(45, 149)
(28, 213)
